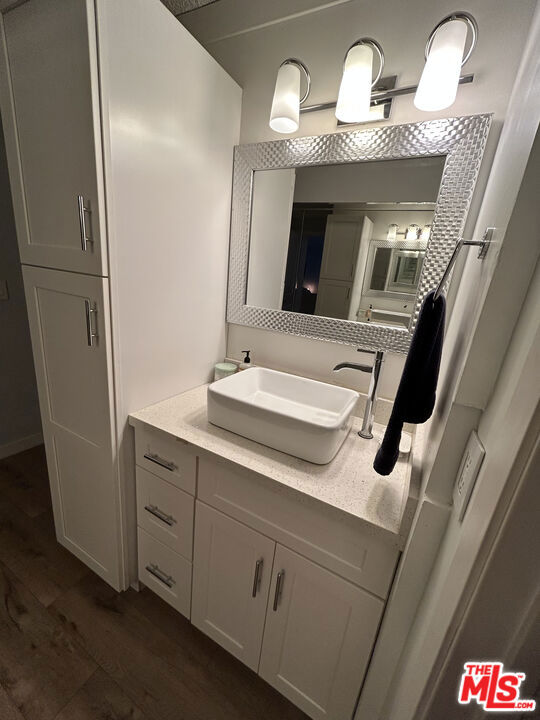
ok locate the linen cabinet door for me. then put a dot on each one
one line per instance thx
(232, 566)
(318, 636)
(69, 327)
(51, 114)
(340, 252)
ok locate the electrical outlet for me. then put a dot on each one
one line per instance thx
(4, 293)
(467, 474)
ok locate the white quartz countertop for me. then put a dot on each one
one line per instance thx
(348, 483)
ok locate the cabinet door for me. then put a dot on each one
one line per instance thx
(51, 117)
(318, 637)
(333, 299)
(69, 326)
(341, 244)
(232, 566)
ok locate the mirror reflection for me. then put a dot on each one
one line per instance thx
(342, 241)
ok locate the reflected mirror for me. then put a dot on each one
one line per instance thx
(342, 241)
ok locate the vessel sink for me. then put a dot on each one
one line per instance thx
(305, 418)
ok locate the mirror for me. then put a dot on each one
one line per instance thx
(342, 241)
(341, 236)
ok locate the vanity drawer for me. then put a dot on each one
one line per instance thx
(167, 457)
(340, 543)
(165, 512)
(165, 572)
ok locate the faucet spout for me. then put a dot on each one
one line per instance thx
(352, 366)
(375, 370)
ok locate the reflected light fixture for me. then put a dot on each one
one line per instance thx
(285, 113)
(426, 232)
(392, 232)
(445, 57)
(354, 98)
(413, 232)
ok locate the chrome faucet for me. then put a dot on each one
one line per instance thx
(375, 370)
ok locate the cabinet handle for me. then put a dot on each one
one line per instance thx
(154, 510)
(257, 577)
(90, 335)
(279, 588)
(82, 222)
(167, 464)
(154, 570)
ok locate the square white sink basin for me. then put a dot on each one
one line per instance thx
(305, 418)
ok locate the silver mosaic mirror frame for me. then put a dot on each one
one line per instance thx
(462, 140)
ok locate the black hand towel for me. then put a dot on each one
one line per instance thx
(415, 398)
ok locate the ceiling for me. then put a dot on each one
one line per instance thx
(178, 7)
(212, 20)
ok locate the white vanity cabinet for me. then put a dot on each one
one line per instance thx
(318, 636)
(117, 160)
(165, 478)
(290, 588)
(232, 567)
(55, 104)
(318, 628)
(75, 394)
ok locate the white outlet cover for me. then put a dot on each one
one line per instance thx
(471, 463)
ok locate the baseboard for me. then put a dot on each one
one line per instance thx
(18, 446)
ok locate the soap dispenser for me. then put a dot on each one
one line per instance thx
(246, 363)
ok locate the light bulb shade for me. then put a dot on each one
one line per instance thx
(392, 232)
(355, 90)
(285, 114)
(439, 82)
(412, 232)
(426, 232)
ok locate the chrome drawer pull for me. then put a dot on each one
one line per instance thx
(82, 222)
(167, 580)
(257, 577)
(154, 510)
(279, 588)
(90, 334)
(167, 464)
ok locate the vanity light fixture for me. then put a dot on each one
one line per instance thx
(444, 59)
(445, 55)
(285, 114)
(354, 99)
(392, 232)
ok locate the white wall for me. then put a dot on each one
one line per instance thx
(269, 240)
(490, 292)
(320, 38)
(508, 430)
(473, 379)
(171, 119)
(20, 425)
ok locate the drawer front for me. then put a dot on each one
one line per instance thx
(321, 534)
(165, 572)
(167, 457)
(165, 512)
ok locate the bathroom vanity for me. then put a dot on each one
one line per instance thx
(284, 563)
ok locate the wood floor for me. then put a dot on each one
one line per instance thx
(71, 648)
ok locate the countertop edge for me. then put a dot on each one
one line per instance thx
(408, 502)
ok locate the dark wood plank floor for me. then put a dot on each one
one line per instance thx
(71, 648)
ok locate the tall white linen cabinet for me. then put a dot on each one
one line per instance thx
(119, 131)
